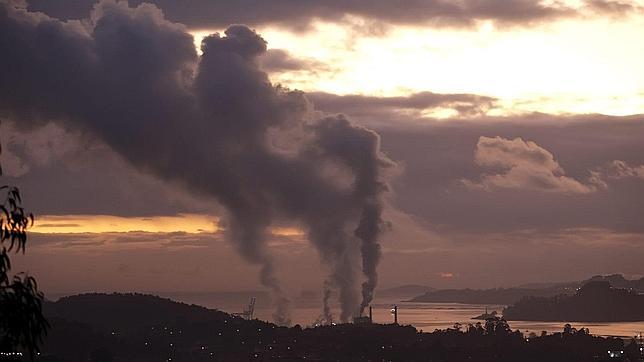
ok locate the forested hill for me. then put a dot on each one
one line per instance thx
(128, 310)
(504, 296)
(596, 301)
(508, 296)
(618, 281)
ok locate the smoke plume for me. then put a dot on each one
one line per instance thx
(326, 308)
(326, 318)
(213, 124)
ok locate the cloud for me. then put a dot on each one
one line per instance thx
(219, 13)
(524, 166)
(526, 236)
(391, 109)
(112, 242)
(445, 274)
(620, 169)
(12, 165)
(437, 155)
(602, 176)
(515, 236)
(279, 60)
(186, 223)
(21, 151)
(613, 7)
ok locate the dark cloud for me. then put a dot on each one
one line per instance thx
(612, 7)
(83, 176)
(279, 60)
(298, 14)
(213, 125)
(390, 109)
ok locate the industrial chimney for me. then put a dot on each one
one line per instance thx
(359, 319)
(394, 311)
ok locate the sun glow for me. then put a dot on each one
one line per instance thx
(77, 224)
(572, 66)
(182, 223)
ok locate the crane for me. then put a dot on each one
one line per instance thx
(249, 310)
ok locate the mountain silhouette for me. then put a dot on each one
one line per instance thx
(596, 301)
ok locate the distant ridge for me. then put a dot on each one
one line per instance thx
(596, 301)
(618, 281)
(484, 296)
(128, 309)
(508, 296)
(405, 291)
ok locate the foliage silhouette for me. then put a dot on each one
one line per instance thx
(22, 323)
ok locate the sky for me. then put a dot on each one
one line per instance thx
(451, 144)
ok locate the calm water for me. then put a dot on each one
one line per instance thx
(425, 316)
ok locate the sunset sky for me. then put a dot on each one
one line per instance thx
(511, 131)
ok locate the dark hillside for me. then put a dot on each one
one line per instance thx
(596, 301)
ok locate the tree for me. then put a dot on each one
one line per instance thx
(476, 329)
(496, 326)
(22, 323)
(568, 329)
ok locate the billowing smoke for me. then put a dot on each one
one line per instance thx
(213, 124)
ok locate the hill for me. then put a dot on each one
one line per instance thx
(138, 327)
(508, 296)
(405, 291)
(618, 281)
(110, 311)
(504, 296)
(596, 301)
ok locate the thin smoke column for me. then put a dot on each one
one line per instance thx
(327, 317)
(213, 124)
(326, 308)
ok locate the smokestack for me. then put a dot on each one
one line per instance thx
(395, 314)
(370, 314)
(394, 311)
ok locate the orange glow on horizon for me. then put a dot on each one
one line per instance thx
(78, 224)
(93, 224)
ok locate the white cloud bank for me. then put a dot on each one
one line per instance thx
(522, 165)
